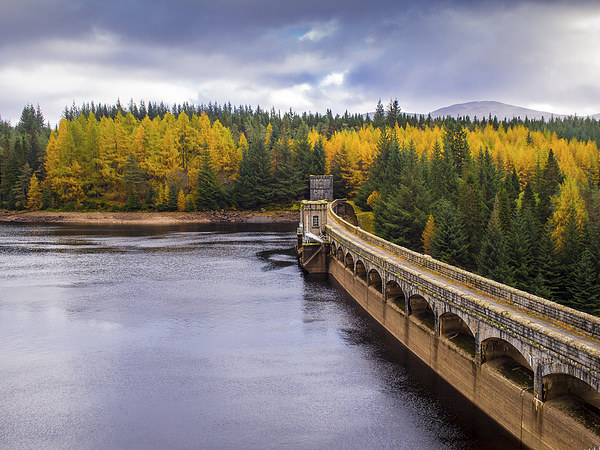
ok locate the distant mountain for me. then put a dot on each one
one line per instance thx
(487, 108)
(497, 109)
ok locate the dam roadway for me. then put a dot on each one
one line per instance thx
(569, 333)
(530, 364)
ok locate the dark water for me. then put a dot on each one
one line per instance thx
(203, 338)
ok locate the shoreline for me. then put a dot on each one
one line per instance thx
(148, 218)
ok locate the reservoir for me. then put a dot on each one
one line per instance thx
(204, 337)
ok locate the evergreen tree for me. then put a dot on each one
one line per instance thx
(286, 183)
(569, 254)
(379, 116)
(528, 201)
(474, 213)
(487, 177)
(520, 252)
(21, 188)
(401, 214)
(513, 185)
(132, 203)
(547, 186)
(393, 113)
(505, 210)
(207, 194)
(319, 158)
(493, 260)
(443, 178)
(456, 146)
(546, 281)
(585, 288)
(173, 196)
(253, 188)
(450, 243)
(303, 159)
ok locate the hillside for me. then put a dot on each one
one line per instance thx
(497, 109)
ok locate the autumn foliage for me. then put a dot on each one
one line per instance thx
(518, 201)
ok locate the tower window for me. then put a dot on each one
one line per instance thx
(315, 221)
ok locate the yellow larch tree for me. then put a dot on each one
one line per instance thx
(34, 196)
(569, 198)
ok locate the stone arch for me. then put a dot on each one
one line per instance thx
(508, 360)
(562, 380)
(564, 387)
(420, 309)
(340, 254)
(395, 294)
(374, 280)
(349, 261)
(360, 270)
(454, 328)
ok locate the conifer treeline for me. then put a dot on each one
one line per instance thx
(518, 201)
(539, 232)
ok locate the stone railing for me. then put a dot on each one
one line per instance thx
(580, 321)
(530, 331)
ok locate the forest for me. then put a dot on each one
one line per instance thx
(516, 201)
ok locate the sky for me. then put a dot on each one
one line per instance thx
(309, 55)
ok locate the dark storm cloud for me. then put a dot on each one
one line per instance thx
(306, 55)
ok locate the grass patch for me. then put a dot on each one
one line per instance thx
(365, 218)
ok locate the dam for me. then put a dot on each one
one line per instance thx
(532, 365)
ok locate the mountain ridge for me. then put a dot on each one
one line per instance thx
(496, 109)
(487, 108)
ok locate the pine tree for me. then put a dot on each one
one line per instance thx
(487, 177)
(493, 261)
(21, 188)
(172, 198)
(319, 158)
(450, 243)
(570, 248)
(520, 252)
(474, 213)
(585, 288)
(402, 212)
(546, 280)
(340, 170)
(253, 186)
(528, 201)
(286, 184)
(132, 203)
(379, 116)
(443, 178)
(505, 210)
(207, 193)
(548, 185)
(303, 159)
(393, 113)
(456, 146)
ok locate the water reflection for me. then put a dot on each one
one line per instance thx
(202, 336)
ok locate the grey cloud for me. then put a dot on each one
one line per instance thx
(422, 54)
